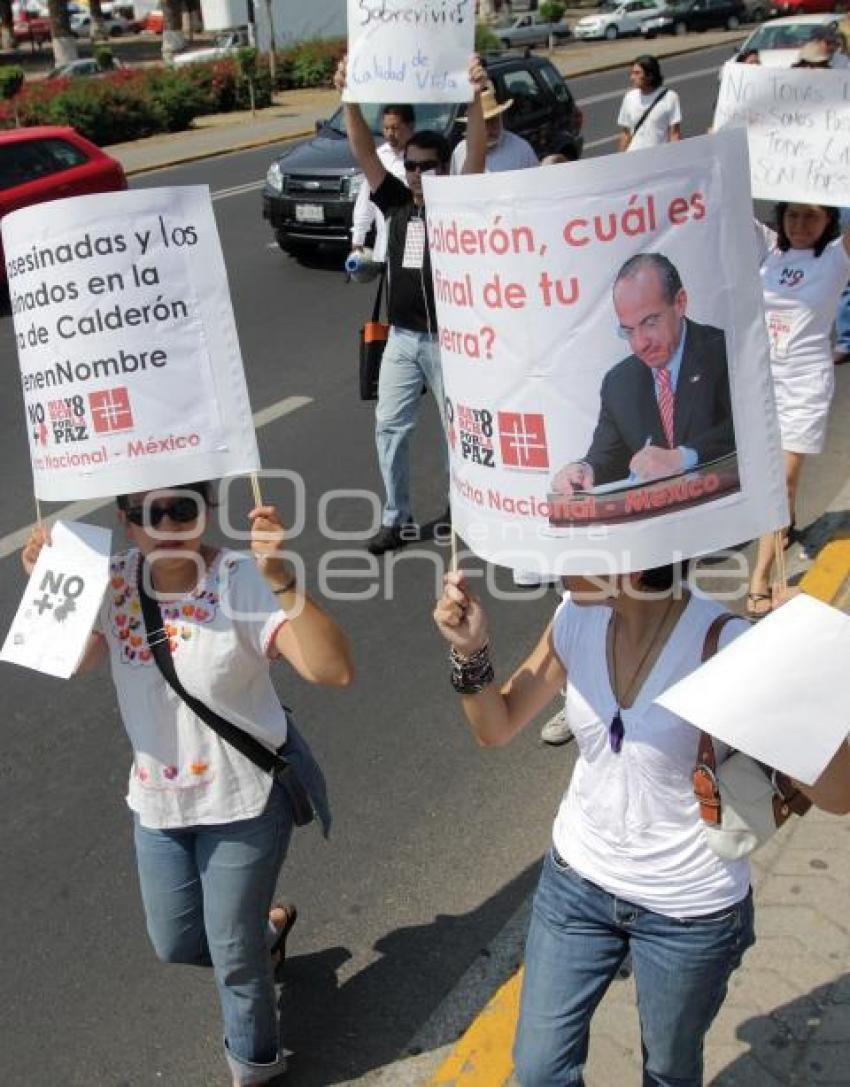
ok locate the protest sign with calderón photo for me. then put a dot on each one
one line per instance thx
(130, 363)
(605, 359)
(409, 50)
(798, 125)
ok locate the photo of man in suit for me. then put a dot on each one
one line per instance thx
(666, 408)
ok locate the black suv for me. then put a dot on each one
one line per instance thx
(309, 192)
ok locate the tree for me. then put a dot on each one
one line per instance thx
(63, 41)
(7, 35)
(98, 27)
(172, 33)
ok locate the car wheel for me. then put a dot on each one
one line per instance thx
(115, 32)
(611, 33)
(681, 29)
(733, 22)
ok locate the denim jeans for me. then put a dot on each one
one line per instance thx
(409, 359)
(207, 892)
(842, 322)
(578, 938)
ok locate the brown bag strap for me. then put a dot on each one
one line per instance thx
(789, 800)
(706, 785)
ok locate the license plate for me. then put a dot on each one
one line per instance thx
(309, 213)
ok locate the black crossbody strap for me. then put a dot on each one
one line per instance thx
(271, 762)
(648, 110)
(376, 309)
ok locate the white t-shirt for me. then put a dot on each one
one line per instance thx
(656, 128)
(801, 293)
(365, 213)
(629, 822)
(221, 637)
(511, 152)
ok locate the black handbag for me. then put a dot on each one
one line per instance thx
(272, 762)
(373, 339)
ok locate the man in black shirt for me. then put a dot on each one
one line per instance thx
(412, 354)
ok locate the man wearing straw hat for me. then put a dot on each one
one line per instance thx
(505, 150)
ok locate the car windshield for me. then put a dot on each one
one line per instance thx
(609, 5)
(435, 116)
(790, 36)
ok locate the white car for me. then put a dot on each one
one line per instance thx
(114, 25)
(224, 44)
(614, 20)
(779, 41)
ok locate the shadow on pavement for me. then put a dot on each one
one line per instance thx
(341, 1031)
(801, 1042)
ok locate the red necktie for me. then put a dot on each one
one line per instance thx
(666, 404)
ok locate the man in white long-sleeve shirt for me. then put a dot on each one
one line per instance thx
(505, 150)
(397, 124)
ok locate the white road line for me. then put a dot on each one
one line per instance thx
(600, 143)
(14, 541)
(592, 99)
(237, 190)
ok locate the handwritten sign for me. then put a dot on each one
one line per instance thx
(798, 125)
(550, 336)
(130, 362)
(409, 50)
(794, 714)
(61, 601)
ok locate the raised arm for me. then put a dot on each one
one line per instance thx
(476, 131)
(495, 714)
(360, 137)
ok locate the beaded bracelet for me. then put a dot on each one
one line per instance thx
(470, 675)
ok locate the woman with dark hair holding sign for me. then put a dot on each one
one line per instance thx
(630, 868)
(211, 827)
(805, 266)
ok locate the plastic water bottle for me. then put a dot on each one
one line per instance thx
(361, 267)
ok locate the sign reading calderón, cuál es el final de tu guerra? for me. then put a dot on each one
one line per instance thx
(605, 359)
(130, 362)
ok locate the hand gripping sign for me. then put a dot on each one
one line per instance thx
(130, 363)
(409, 50)
(605, 361)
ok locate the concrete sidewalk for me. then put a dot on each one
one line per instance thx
(294, 113)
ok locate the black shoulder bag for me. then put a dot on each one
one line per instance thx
(272, 762)
(647, 112)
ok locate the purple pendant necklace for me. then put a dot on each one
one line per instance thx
(617, 730)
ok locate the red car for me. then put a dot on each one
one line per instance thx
(31, 28)
(48, 163)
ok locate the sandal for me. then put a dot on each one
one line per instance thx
(290, 916)
(755, 605)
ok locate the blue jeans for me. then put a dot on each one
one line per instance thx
(409, 359)
(842, 322)
(578, 937)
(207, 892)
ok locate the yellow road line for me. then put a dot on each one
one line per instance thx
(482, 1057)
(829, 577)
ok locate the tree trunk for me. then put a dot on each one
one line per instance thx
(7, 37)
(172, 36)
(63, 41)
(98, 28)
(272, 47)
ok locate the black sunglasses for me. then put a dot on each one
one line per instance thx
(424, 167)
(180, 510)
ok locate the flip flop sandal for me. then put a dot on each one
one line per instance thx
(753, 602)
(290, 916)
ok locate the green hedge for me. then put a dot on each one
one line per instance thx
(129, 104)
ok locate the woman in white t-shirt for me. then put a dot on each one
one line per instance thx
(805, 266)
(650, 114)
(211, 827)
(630, 868)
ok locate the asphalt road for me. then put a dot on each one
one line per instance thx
(435, 844)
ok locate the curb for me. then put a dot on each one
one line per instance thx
(250, 145)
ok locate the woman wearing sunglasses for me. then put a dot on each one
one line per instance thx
(629, 868)
(211, 827)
